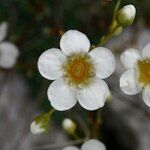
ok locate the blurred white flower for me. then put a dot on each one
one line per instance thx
(91, 144)
(126, 15)
(137, 75)
(78, 74)
(8, 51)
(36, 128)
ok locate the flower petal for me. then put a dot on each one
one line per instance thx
(3, 30)
(130, 57)
(146, 51)
(50, 63)
(61, 96)
(104, 61)
(8, 55)
(146, 96)
(93, 96)
(93, 144)
(128, 83)
(74, 41)
(71, 148)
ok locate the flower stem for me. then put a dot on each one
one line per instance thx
(75, 136)
(68, 143)
(51, 111)
(104, 39)
(97, 125)
(60, 145)
(116, 9)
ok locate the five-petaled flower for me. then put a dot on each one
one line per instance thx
(8, 51)
(137, 77)
(77, 72)
(91, 144)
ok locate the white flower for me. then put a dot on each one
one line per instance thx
(36, 128)
(8, 51)
(137, 75)
(78, 74)
(92, 144)
(126, 15)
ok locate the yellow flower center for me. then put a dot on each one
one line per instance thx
(79, 70)
(144, 71)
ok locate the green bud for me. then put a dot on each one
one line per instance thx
(126, 15)
(40, 123)
(69, 126)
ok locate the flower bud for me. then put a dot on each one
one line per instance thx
(40, 123)
(69, 126)
(36, 127)
(126, 15)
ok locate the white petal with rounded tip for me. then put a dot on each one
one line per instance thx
(146, 95)
(71, 148)
(50, 63)
(61, 96)
(74, 41)
(93, 145)
(128, 83)
(104, 61)
(146, 51)
(130, 57)
(3, 30)
(8, 55)
(93, 96)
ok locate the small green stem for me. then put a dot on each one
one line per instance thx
(60, 145)
(104, 39)
(51, 111)
(116, 9)
(97, 124)
(108, 37)
(74, 135)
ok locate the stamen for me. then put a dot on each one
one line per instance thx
(144, 72)
(79, 70)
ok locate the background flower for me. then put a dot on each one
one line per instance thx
(138, 74)
(8, 51)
